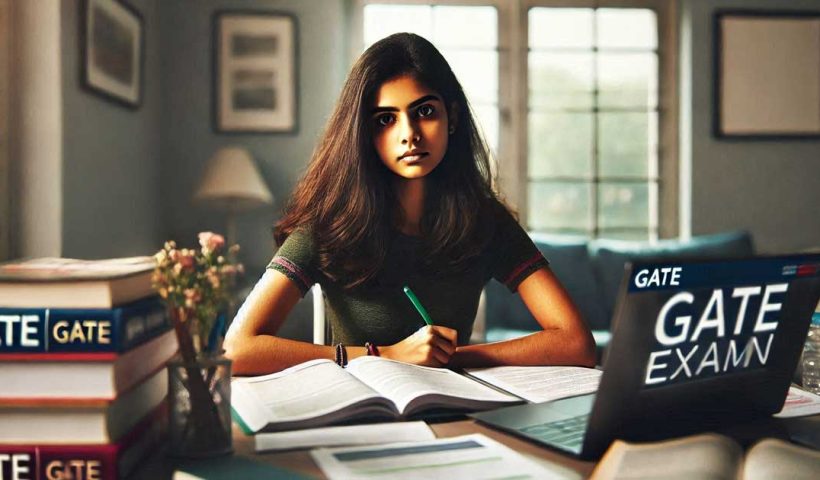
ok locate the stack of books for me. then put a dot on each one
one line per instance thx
(83, 347)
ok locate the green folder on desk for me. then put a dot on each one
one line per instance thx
(232, 467)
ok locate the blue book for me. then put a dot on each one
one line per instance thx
(96, 330)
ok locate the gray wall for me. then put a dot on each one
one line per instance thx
(187, 138)
(111, 184)
(128, 176)
(767, 187)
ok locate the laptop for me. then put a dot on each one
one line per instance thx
(696, 345)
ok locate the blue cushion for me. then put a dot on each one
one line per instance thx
(569, 261)
(610, 256)
(499, 303)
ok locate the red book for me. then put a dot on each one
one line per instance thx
(85, 462)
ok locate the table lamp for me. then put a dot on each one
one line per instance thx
(233, 184)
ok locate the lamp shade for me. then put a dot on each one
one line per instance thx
(232, 182)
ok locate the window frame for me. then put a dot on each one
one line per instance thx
(665, 208)
(5, 124)
(510, 163)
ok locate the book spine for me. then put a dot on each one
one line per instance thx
(86, 462)
(59, 462)
(52, 330)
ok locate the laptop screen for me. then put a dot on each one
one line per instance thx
(697, 344)
(716, 318)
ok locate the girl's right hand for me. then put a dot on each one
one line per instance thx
(430, 346)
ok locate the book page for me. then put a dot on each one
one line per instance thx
(309, 390)
(698, 456)
(771, 458)
(540, 384)
(403, 383)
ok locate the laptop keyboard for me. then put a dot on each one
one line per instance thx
(568, 432)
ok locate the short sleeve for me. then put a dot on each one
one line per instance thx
(514, 255)
(296, 259)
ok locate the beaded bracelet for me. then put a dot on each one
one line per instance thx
(372, 349)
(341, 355)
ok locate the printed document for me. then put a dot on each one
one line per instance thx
(540, 384)
(799, 403)
(470, 456)
(366, 434)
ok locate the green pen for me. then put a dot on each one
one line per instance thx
(419, 307)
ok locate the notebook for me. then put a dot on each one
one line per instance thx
(696, 345)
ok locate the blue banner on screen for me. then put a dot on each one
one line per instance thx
(683, 276)
(715, 318)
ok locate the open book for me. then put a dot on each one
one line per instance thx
(707, 456)
(319, 392)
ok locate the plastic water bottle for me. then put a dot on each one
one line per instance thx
(811, 356)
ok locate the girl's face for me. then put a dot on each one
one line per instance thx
(410, 127)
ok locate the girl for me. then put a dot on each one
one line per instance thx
(398, 193)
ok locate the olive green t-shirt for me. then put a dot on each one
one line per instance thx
(379, 312)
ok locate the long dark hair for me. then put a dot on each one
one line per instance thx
(346, 198)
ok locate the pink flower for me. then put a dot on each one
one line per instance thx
(192, 296)
(187, 260)
(211, 242)
(195, 281)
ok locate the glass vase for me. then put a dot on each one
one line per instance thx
(199, 396)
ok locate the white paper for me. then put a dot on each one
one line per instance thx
(470, 456)
(541, 384)
(344, 435)
(799, 403)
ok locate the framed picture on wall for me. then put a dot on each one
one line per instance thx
(112, 44)
(254, 72)
(767, 71)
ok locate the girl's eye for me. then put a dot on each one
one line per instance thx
(384, 120)
(425, 110)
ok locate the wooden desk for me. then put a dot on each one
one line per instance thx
(160, 467)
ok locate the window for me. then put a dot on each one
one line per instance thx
(592, 149)
(593, 121)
